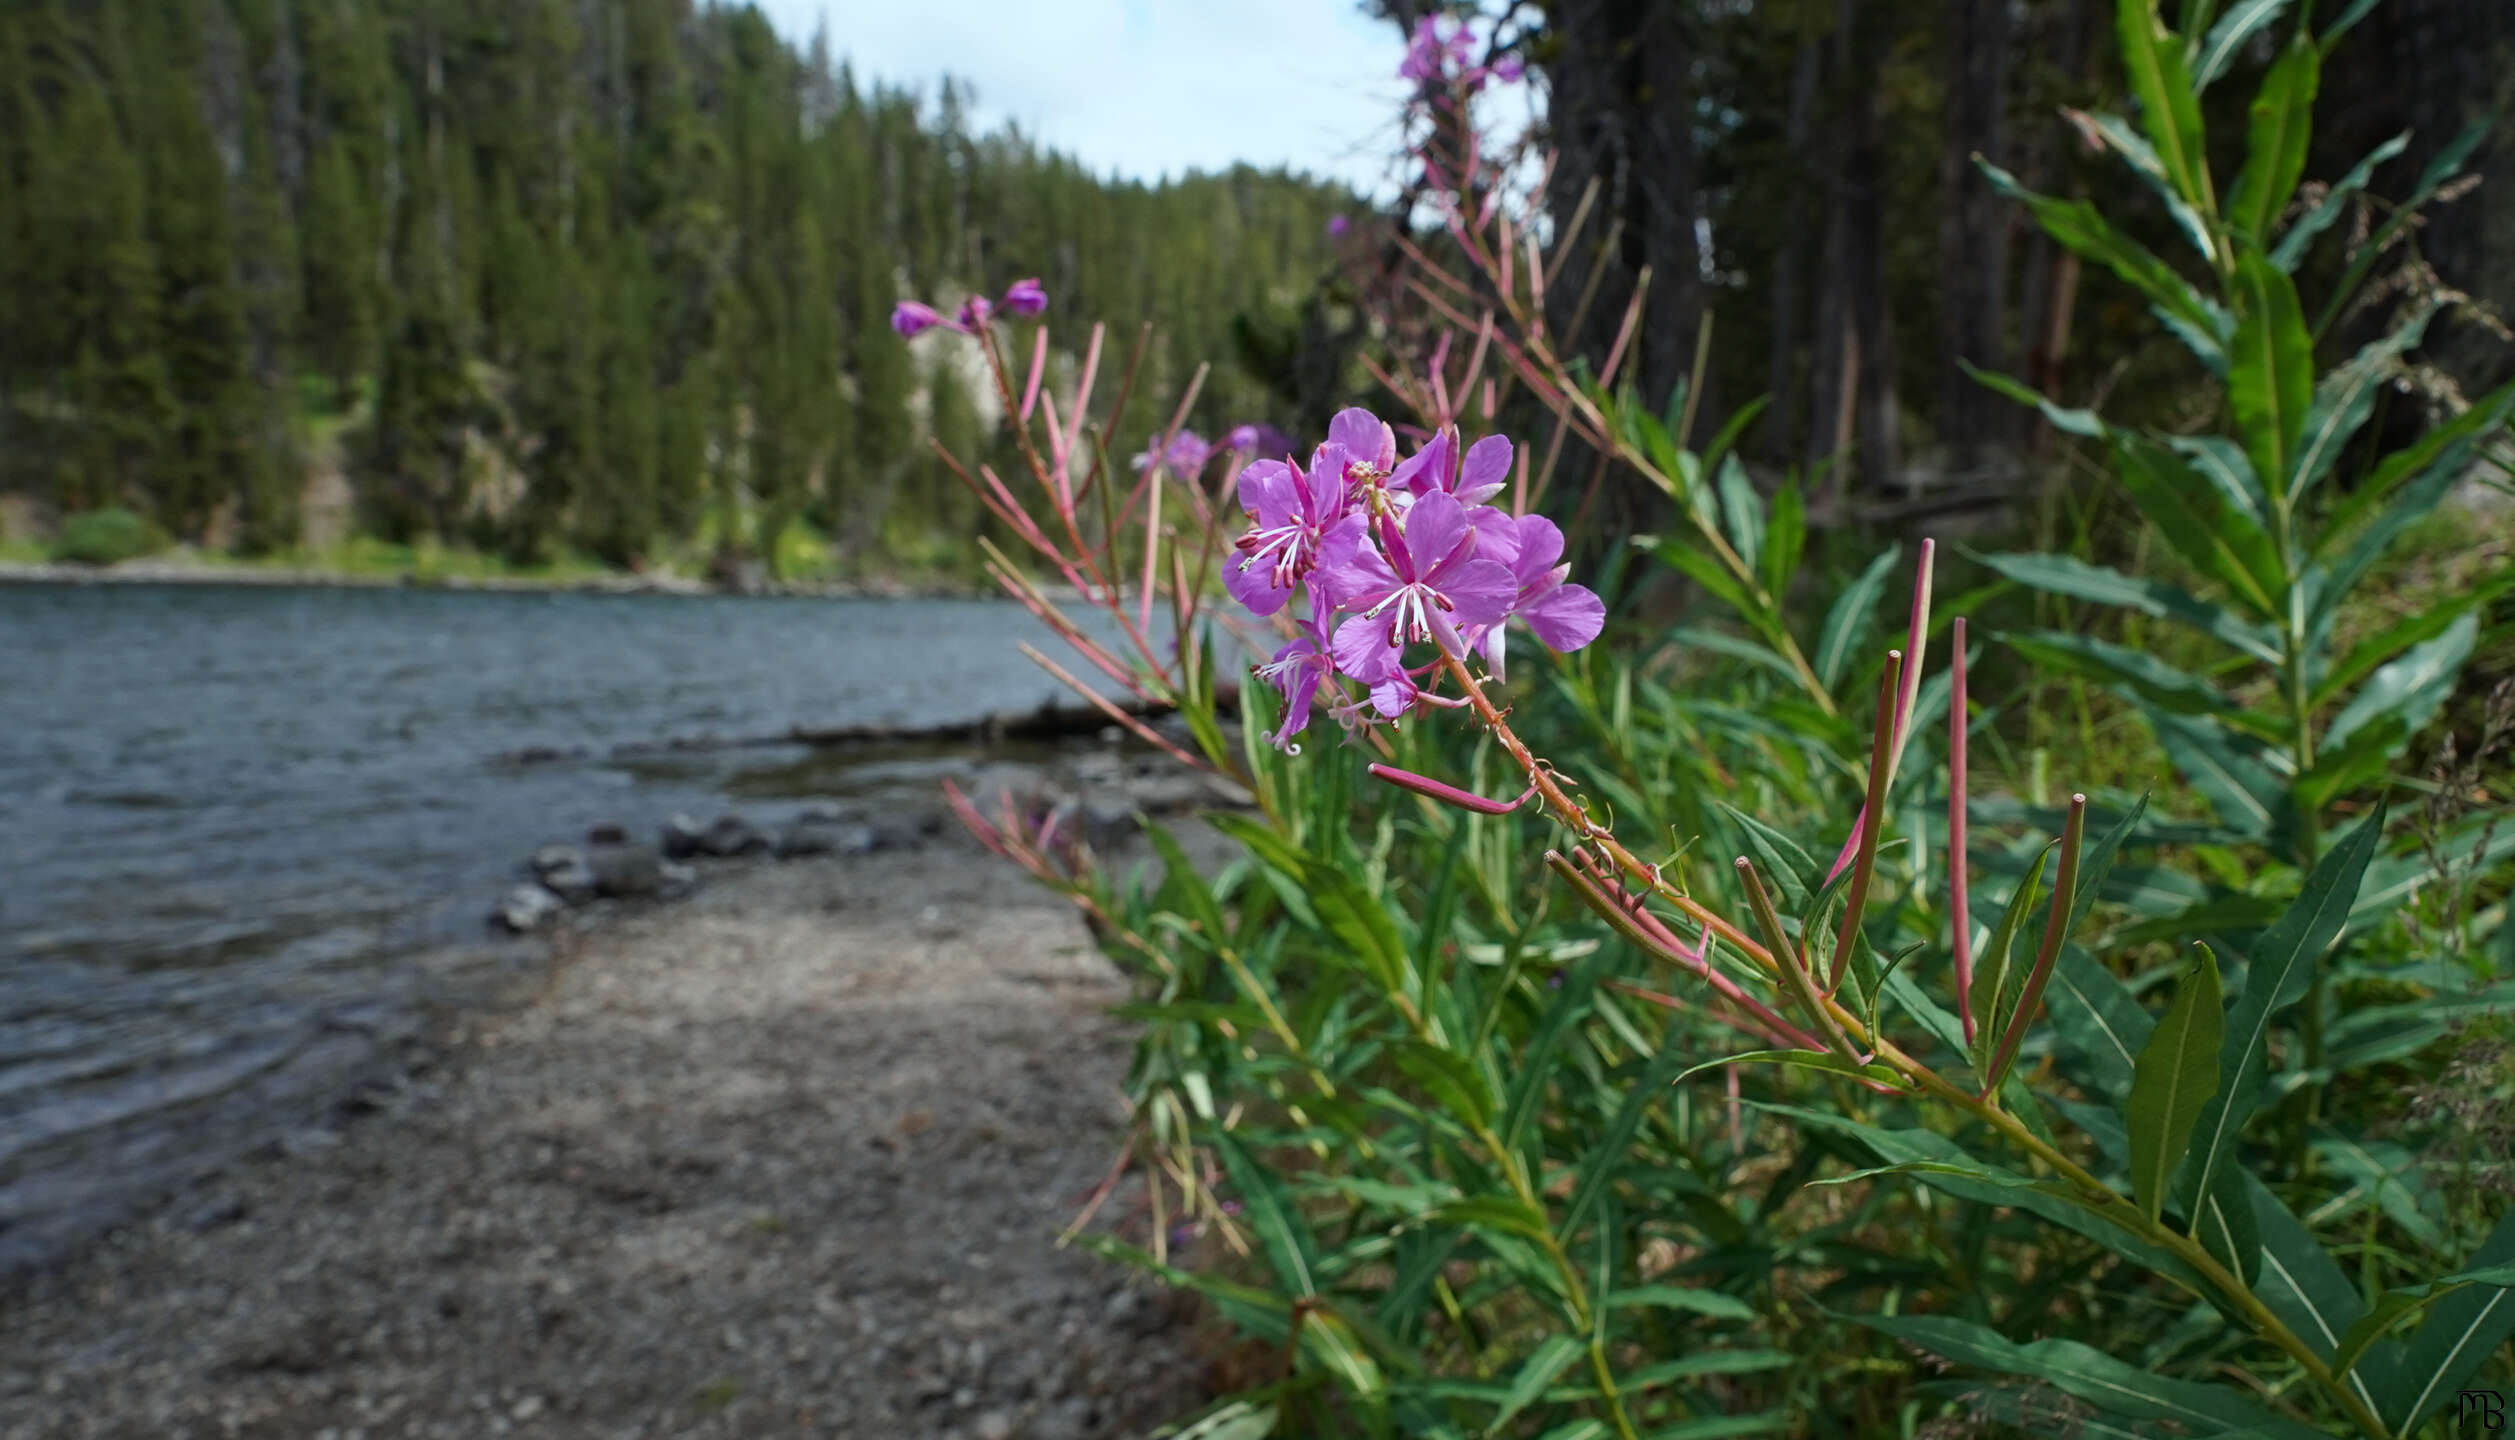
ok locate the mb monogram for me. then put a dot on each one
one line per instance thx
(2479, 1411)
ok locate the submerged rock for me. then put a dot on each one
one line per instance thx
(527, 908)
(628, 872)
(732, 835)
(682, 836)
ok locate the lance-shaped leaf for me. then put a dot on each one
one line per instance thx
(2282, 118)
(2079, 580)
(2106, 663)
(2413, 688)
(2397, 1305)
(2281, 970)
(1851, 617)
(2093, 1376)
(2461, 1331)
(2175, 1076)
(2115, 133)
(2229, 770)
(1785, 536)
(2335, 203)
(2373, 651)
(2447, 164)
(2221, 462)
(2244, 20)
(2170, 107)
(2221, 543)
(2100, 1020)
(1996, 981)
(2344, 398)
(2270, 371)
(2068, 421)
(1291, 1249)
(2079, 227)
(1741, 510)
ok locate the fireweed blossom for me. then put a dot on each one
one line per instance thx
(912, 318)
(1370, 558)
(1439, 55)
(1186, 454)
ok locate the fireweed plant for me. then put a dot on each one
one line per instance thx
(1485, 1171)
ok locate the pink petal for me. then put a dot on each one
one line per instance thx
(1267, 490)
(1540, 545)
(1362, 649)
(1567, 618)
(1486, 470)
(1428, 469)
(1434, 528)
(1480, 591)
(1253, 585)
(1364, 437)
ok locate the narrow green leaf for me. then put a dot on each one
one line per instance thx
(1501, 1213)
(2300, 1281)
(2221, 462)
(2281, 971)
(1548, 1360)
(2397, 1305)
(1776, 854)
(1994, 999)
(1535, 1064)
(2335, 203)
(2270, 371)
(1713, 1303)
(2079, 227)
(1448, 1078)
(2282, 118)
(1785, 537)
(1741, 510)
(2219, 542)
(2344, 398)
(2245, 20)
(2174, 1077)
(2091, 1375)
(2079, 580)
(2432, 621)
(2357, 760)
(2447, 164)
(2103, 661)
(2170, 107)
(2358, 10)
(2099, 1019)
(1957, 1173)
(1291, 1250)
(2116, 134)
(2227, 769)
(1607, 1156)
(2413, 688)
(1802, 1059)
(2084, 423)
(1852, 617)
(2461, 1331)
(2224, 1222)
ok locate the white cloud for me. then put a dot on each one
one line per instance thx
(1145, 88)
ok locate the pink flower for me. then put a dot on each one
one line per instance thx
(1431, 56)
(1366, 448)
(911, 319)
(1298, 670)
(1256, 440)
(1187, 454)
(1337, 225)
(1025, 298)
(1437, 466)
(1566, 617)
(975, 312)
(1302, 518)
(1423, 581)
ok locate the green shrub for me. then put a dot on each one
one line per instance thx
(104, 537)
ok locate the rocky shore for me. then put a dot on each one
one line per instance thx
(785, 1155)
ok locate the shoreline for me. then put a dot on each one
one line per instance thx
(792, 1153)
(160, 572)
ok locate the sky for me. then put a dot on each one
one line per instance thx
(1145, 88)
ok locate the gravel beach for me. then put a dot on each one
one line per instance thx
(787, 1158)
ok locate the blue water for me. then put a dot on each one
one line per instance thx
(206, 775)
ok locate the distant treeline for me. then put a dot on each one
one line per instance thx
(611, 275)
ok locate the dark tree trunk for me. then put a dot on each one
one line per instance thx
(1782, 380)
(1622, 112)
(1976, 426)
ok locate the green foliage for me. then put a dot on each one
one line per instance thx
(104, 537)
(597, 264)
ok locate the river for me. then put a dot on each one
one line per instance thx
(228, 812)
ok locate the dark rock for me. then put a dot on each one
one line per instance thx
(682, 836)
(608, 834)
(732, 835)
(555, 857)
(798, 840)
(575, 882)
(627, 872)
(527, 908)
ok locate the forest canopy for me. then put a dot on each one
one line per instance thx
(610, 278)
